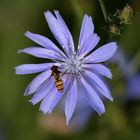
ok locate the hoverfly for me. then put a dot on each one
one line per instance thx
(57, 79)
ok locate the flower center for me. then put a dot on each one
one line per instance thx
(72, 65)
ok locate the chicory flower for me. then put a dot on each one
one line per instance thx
(79, 67)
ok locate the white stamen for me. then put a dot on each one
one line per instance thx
(72, 64)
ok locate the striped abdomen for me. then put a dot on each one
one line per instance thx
(58, 80)
(59, 84)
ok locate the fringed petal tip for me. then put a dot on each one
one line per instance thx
(30, 101)
(47, 12)
(33, 101)
(101, 113)
(19, 51)
(56, 12)
(45, 112)
(25, 94)
(40, 109)
(15, 69)
(109, 96)
(111, 99)
(26, 33)
(27, 91)
(110, 76)
(67, 122)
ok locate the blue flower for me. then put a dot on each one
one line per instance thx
(83, 113)
(80, 67)
(133, 87)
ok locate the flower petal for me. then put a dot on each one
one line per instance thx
(87, 30)
(55, 101)
(99, 68)
(99, 84)
(71, 100)
(66, 82)
(50, 95)
(59, 30)
(41, 53)
(32, 68)
(93, 99)
(46, 103)
(62, 22)
(36, 82)
(43, 90)
(44, 42)
(102, 54)
(89, 45)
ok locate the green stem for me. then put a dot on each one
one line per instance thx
(102, 4)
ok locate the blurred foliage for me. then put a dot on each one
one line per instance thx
(19, 120)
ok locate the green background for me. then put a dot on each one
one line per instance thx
(19, 120)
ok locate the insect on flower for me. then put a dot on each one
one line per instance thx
(76, 70)
(58, 80)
